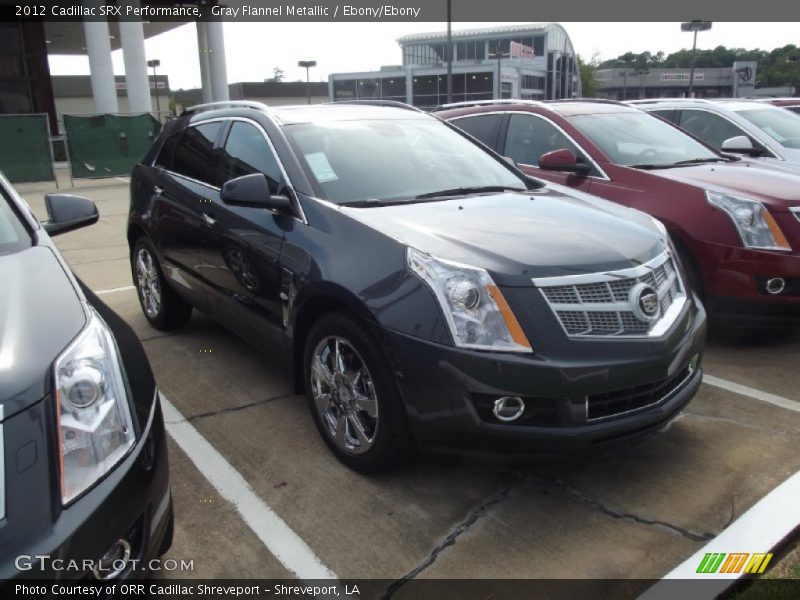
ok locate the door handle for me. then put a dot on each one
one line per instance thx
(157, 190)
(208, 219)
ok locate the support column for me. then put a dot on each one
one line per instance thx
(202, 52)
(136, 81)
(98, 47)
(216, 61)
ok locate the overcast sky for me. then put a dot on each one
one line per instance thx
(254, 49)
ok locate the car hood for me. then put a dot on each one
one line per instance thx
(778, 188)
(40, 313)
(518, 236)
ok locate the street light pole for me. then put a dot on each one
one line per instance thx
(499, 55)
(155, 63)
(694, 26)
(307, 64)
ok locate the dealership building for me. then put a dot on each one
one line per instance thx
(737, 80)
(535, 62)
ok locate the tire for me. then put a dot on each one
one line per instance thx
(356, 404)
(161, 305)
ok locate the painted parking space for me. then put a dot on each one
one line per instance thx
(645, 509)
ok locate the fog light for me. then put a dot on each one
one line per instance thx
(114, 562)
(776, 285)
(508, 408)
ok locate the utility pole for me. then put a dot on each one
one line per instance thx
(694, 26)
(155, 63)
(449, 52)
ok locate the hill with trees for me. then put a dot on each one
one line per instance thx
(778, 67)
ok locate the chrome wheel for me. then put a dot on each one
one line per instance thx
(344, 394)
(148, 283)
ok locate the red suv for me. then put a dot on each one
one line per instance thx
(735, 224)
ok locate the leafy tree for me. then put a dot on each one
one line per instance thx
(277, 75)
(587, 71)
(778, 67)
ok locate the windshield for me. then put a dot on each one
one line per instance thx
(393, 160)
(13, 236)
(639, 139)
(781, 125)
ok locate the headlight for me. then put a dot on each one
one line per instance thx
(477, 313)
(662, 229)
(756, 226)
(94, 417)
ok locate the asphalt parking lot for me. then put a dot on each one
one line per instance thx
(634, 514)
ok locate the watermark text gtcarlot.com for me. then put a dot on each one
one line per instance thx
(44, 563)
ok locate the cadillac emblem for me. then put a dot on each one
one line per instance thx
(644, 301)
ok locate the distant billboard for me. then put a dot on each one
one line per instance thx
(681, 76)
(521, 50)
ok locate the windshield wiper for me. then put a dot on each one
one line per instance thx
(680, 163)
(465, 191)
(699, 161)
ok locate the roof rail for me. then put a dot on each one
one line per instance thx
(488, 103)
(378, 102)
(592, 100)
(226, 104)
(656, 100)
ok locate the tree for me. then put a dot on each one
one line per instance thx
(277, 75)
(587, 70)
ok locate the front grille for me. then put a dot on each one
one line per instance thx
(600, 304)
(617, 402)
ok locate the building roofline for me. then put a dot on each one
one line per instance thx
(440, 35)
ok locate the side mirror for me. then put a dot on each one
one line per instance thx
(740, 144)
(563, 160)
(66, 212)
(253, 191)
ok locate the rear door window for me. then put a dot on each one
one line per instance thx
(167, 152)
(195, 156)
(485, 128)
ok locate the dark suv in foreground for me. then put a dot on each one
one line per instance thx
(420, 288)
(84, 480)
(736, 224)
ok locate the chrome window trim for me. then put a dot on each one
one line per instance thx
(301, 218)
(796, 211)
(660, 327)
(603, 177)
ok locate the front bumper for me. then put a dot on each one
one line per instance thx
(133, 502)
(735, 284)
(446, 389)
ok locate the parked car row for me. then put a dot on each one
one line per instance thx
(735, 223)
(512, 277)
(84, 478)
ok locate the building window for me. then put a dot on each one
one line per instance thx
(344, 89)
(532, 82)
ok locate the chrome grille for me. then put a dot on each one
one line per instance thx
(599, 304)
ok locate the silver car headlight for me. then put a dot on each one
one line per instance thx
(476, 311)
(756, 226)
(95, 428)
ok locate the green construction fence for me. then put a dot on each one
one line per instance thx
(108, 145)
(25, 153)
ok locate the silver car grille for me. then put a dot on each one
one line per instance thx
(641, 301)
